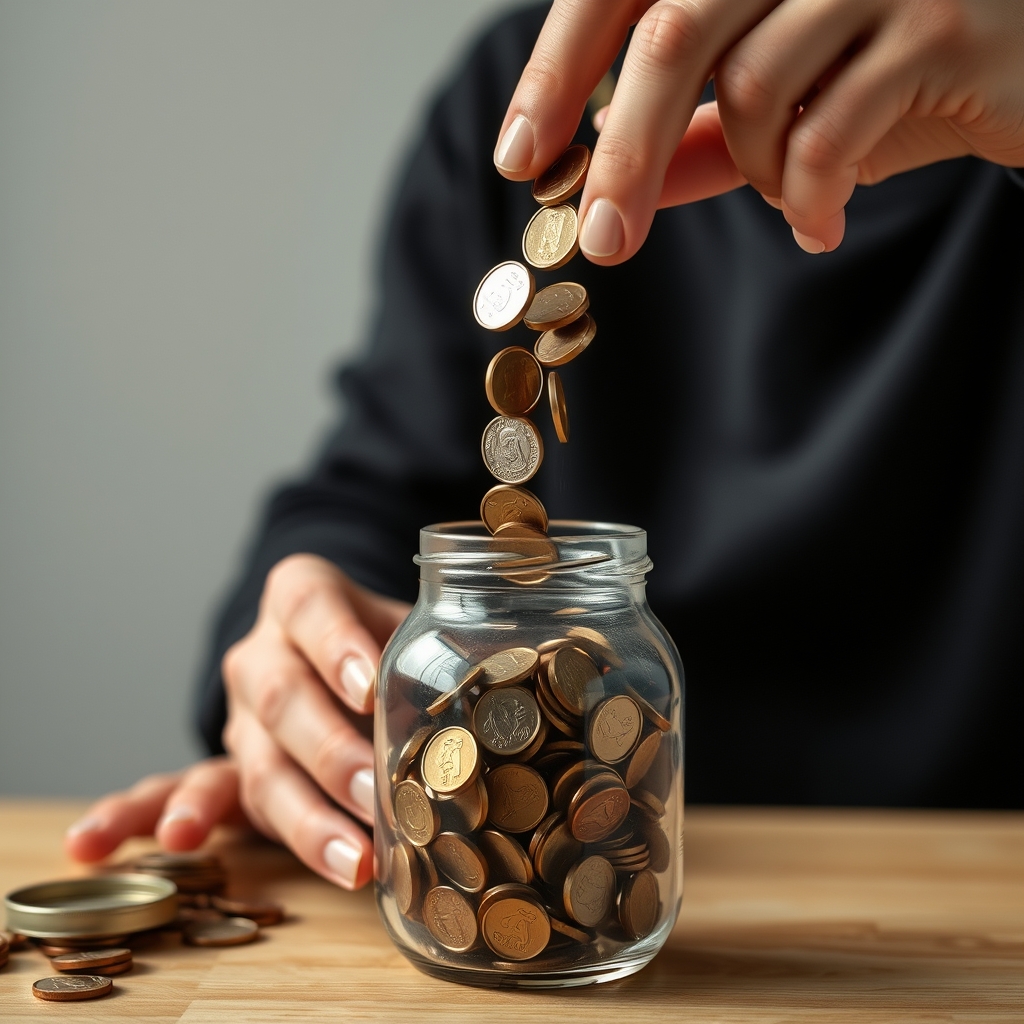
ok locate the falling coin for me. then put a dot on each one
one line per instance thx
(513, 381)
(556, 306)
(559, 414)
(512, 449)
(560, 346)
(564, 178)
(550, 239)
(503, 296)
(67, 988)
(504, 504)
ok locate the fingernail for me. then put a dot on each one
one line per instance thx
(361, 790)
(600, 117)
(180, 813)
(84, 825)
(772, 201)
(602, 233)
(515, 150)
(357, 678)
(807, 243)
(343, 860)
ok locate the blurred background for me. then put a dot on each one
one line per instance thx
(190, 194)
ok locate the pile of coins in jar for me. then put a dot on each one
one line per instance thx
(531, 818)
(515, 380)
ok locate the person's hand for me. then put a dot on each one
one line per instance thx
(299, 687)
(813, 97)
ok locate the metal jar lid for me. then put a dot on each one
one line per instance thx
(94, 907)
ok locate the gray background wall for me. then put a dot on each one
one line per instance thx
(189, 194)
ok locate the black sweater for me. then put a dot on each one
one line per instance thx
(827, 453)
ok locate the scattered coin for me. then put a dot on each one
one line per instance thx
(512, 449)
(232, 931)
(450, 760)
(551, 239)
(559, 414)
(564, 178)
(90, 958)
(560, 346)
(65, 988)
(556, 306)
(505, 504)
(507, 720)
(450, 918)
(514, 381)
(518, 797)
(263, 913)
(503, 296)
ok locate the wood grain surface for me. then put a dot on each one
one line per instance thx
(788, 915)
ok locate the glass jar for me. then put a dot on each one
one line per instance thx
(528, 744)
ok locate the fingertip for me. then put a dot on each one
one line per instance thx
(603, 233)
(357, 678)
(514, 152)
(89, 840)
(349, 862)
(181, 828)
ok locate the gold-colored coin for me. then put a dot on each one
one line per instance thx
(556, 306)
(416, 813)
(405, 877)
(503, 295)
(451, 697)
(506, 859)
(639, 904)
(449, 917)
(599, 813)
(412, 747)
(533, 551)
(651, 713)
(572, 676)
(560, 346)
(512, 449)
(551, 237)
(642, 759)
(508, 667)
(506, 720)
(516, 928)
(517, 796)
(450, 760)
(461, 860)
(467, 811)
(564, 178)
(69, 988)
(513, 381)
(614, 728)
(503, 505)
(559, 413)
(589, 890)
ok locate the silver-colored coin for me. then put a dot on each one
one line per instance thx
(503, 295)
(512, 449)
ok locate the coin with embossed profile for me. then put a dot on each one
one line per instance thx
(416, 813)
(589, 890)
(450, 918)
(550, 239)
(503, 296)
(450, 760)
(461, 860)
(518, 797)
(505, 504)
(559, 413)
(556, 306)
(68, 988)
(564, 178)
(560, 346)
(512, 449)
(513, 381)
(516, 928)
(506, 720)
(614, 728)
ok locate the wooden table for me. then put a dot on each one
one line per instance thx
(789, 915)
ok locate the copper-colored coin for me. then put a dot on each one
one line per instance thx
(658, 847)
(646, 802)
(599, 814)
(416, 813)
(556, 306)
(14, 940)
(450, 760)
(504, 504)
(508, 667)
(574, 933)
(551, 237)
(51, 950)
(466, 811)
(595, 643)
(573, 747)
(263, 913)
(412, 747)
(651, 713)
(503, 295)
(534, 748)
(513, 381)
(430, 879)
(642, 759)
(405, 877)
(512, 449)
(572, 676)
(553, 713)
(107, 972)
(559, 413)
(461, 860)
(589, 890)
(518, 797)
(639, 904)
(557, 853)
(614, 728)
(506, 859)
(506, 890)
(69, 988)
(88, 958)
(232, 931)
(564, 178)
(516, 928)
(450, 918)
(560, 346)
(176, 862)
(451, 697)
(506, 720)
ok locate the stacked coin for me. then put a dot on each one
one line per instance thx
(526, 812)
(512, 447)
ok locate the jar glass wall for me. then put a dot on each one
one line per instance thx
(528, 744)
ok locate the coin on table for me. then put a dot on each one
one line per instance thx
(107, 972)
(572, 676)
(506, 859)
(504, 504)
(503, 295)
(508, 667)
(506, 720)
(564, 178)
(551, 237)
(614, 728)
(595, 643)
(556, 306)
(90, 958)
(518, 797)
(262, 912)
(599, 812)
(461, 860)
(450, 918)
(556, 715)
(589, 890)
(232, 931)
(513, 381)
(452, 696)
(450, 760)
(639, 904)
(642, 759)
(559, 413)
(416, 813)
(516, 928)
(68, 988)
(405, 877)
(512, 449)
(560, 346)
